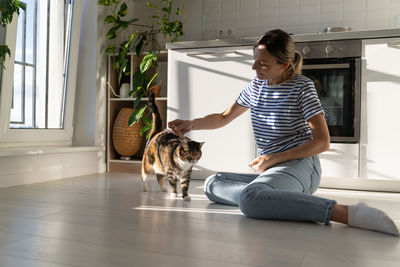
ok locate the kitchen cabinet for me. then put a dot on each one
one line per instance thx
(204, 81)
(380, 127)
(340, 161)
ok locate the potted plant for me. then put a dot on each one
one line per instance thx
(7, 10)
(142, 36)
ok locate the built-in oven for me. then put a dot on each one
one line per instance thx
(335, 68)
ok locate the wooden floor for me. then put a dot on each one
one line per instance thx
(105, 220)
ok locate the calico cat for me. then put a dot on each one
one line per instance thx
(167, 154)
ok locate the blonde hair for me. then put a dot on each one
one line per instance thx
(281, 46)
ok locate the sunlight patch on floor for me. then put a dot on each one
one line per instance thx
(193, 210)
(192, 197)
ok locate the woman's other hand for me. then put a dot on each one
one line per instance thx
(263, 163)
(180, 126)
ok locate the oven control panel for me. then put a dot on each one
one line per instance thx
(329, 49)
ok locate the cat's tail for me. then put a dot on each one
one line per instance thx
(157, 121)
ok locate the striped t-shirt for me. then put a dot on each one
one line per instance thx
(279, 113)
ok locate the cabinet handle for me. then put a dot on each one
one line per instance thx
(193, 54)
(394, 44)
(326, 66)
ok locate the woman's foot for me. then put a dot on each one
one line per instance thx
(363, 216)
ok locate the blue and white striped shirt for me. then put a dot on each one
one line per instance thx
(279, 113)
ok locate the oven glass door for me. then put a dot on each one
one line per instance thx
(338, 85)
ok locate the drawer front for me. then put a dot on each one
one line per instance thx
(340, 161)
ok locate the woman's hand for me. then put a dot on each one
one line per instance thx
(180, 126)
(263, 163)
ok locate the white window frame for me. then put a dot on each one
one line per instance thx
(39, 137)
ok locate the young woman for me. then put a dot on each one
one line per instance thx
(290, 131)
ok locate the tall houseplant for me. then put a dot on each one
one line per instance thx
(142, 36)
(7, 10)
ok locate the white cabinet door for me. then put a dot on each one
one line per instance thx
(380, 122)
(205, 81)
(340, 161)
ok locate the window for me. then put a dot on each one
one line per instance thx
(41, 64)
(37, 104)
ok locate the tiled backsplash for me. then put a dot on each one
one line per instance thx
(244, 18)
(253, 17)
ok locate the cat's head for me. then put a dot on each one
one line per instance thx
(190, 151)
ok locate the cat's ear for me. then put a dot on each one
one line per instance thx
(201, 144)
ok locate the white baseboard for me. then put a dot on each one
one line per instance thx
(361, 184)
(26, 168)
(334, 183)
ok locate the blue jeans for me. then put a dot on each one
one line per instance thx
(283, 192)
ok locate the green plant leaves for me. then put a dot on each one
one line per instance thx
(148, 60)
(151, 80)
(123, 10)
(146, 121)
(4, 50)
(109, 19)
(139, 81)
(136, 115)
(112, 33)
(107, 2)
(138, 99)
(110, 49)
(139, 43)
(7, 10)
(146, 127)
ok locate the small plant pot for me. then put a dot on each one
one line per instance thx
(156, 89)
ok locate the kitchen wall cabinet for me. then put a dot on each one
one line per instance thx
(380, 127)
(204, 81)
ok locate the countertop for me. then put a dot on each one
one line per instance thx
(309, 37)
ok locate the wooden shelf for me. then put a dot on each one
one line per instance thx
(127, 161)
(134, 98)
(114, 105)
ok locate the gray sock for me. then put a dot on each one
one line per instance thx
(369, 218)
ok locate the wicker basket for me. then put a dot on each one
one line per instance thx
(127, 140)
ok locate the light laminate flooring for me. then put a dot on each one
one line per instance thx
(106, 220)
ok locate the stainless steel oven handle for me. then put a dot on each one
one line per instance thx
(326, 66)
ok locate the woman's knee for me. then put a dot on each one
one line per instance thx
(208, 184)
(250, 198)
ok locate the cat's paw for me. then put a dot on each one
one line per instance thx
(164, 189)
(187, 198)
(145, 188)
(173, 195)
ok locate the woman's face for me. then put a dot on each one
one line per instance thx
(266, 66)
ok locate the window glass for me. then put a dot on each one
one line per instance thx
(40, 62)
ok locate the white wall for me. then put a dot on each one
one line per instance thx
(85, 97)
(90, 101)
